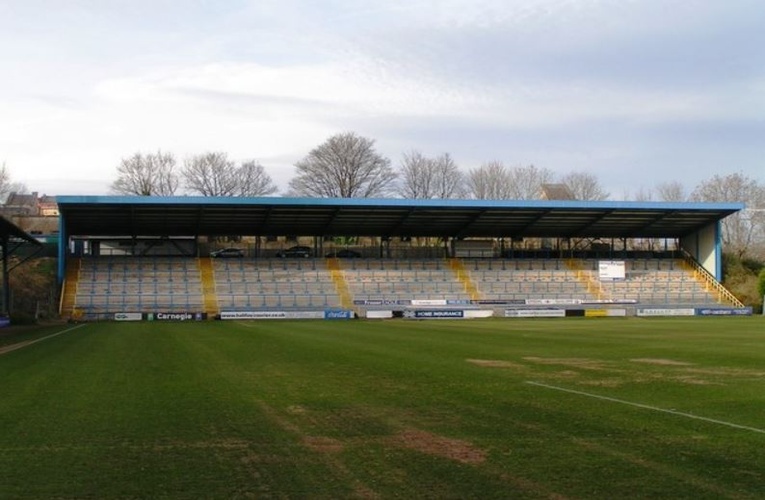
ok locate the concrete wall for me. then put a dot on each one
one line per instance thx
(705, 246)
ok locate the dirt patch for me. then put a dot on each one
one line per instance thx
(662, 362)
(606, 382)
(580, 363)
(692, 380)
(726, 372)
(323, 444)
(495, 363)
(296, 410)
(328, 447)
(566, 374)
(439, 446)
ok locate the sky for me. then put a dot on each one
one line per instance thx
(635, 92)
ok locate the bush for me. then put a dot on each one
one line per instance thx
(33, 290)
(741, 279)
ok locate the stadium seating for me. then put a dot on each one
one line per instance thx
(122, 284)
(520, 279)
(655, 282)
(394, 279)
(244, 284)
(647, 282)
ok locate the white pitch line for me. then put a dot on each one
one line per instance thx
(647, 407)
(22, 345)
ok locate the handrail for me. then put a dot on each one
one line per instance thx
(711, 280)
(61, 298)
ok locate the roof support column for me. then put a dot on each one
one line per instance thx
(6, 309)
(63, 244)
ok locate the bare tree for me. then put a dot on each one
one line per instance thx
(490, 181)
(5, 182)
(344, 166)
(450, 181)
(415, 176)
(423, 177)
(526, 182)
(8, 186)
(584, 186)
(150, 174)
(252, 180)
(739, 230)
(671, 191)
(210, 174)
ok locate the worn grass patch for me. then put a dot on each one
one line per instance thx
(661, 362)
(496, 363)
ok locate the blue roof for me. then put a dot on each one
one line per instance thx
(195, 215)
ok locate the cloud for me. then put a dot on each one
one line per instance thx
(617, 86)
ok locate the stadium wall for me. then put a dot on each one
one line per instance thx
(706, 247)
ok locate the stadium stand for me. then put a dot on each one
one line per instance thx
(106, 285)
(657, 282)
(519, 279)
(244, 284)
(524, 253)
(398, 280)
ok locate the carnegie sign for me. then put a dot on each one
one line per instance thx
(175, 316)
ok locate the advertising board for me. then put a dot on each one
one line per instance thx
(659, 311)
(377, 302)
(535, 313)
(128, 316)
(553, 302)
(241, 315)
(424, 302)
(338, 314)
(434, 314)
(176, 316)
(379, 314)
(602, 313)
(724, 311)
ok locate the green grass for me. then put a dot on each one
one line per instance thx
(431, 409)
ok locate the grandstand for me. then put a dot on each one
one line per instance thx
(245, 284)
(520, 279)
(105, 286)
(108, 285)
(402, 280)
(95, 285)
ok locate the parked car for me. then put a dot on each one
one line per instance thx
(227, 253)
(345, 253)
(296, 251)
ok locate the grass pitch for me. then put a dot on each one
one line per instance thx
(564, 408)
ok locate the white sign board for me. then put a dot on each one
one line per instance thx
(535, 313)
(128, 316)
(428, 302)
(666, 312)
(272, 315)
(611, 270)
